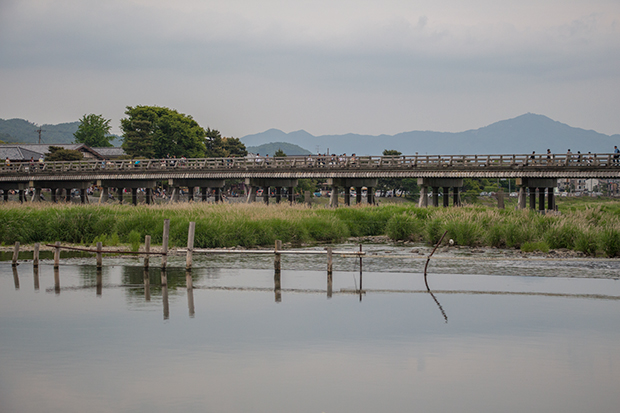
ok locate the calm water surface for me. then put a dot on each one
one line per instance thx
(485, 342)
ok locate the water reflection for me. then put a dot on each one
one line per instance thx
(190, 293)
(15, 277)
(445, 316)
(35, 276)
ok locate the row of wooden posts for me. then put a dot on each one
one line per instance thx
(99, 251)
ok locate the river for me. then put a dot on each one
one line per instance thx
(498, 333)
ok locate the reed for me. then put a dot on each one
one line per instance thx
(592, 230)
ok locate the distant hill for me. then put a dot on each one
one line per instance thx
(271, 148)
(523, 134)
(23, 131)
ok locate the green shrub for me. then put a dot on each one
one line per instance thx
(610, 242)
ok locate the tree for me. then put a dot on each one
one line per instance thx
(279, 153)
(391, 152)
(57, 153)
(234, 147)
(213, 144)
(94, 131)
(153, 131)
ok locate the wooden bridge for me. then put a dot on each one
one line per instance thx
(432, 171)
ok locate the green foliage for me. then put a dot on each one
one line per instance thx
(233, 147)
(535, 246)
(466, 233)
(586, 242)
(610, 242)
(134, 239)
(404, 227)
(153, 131)
(391, 152)
(94, 131)
(279, 153)
(56, 153)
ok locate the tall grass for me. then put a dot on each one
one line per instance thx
(590, 230)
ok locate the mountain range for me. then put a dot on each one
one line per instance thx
(520, 135)
(23, 131)
(523, 134)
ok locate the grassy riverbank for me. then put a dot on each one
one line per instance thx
(592, 230)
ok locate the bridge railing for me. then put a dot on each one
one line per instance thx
(321, 161)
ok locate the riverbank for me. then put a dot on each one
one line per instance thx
(593, 231)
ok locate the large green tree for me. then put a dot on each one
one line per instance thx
(94, 131)
(57, 153)
(234, 147)
(153, 131)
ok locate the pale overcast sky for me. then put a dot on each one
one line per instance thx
(325, 66)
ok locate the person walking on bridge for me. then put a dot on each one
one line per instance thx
(616, 154)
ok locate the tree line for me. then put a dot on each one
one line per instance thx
(159, 132)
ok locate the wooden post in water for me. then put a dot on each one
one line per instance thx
(56, 280)
(361, 273)
(278, 257)
(15, 253)
(164, 244)
(57, 255)
(164, 277)
(190, 246)
(147, 248)
(147, 285)
(99, 281)
(35, 271)
(277, 266)
(329, 271)
(15, 277)
(190, 292)
(99, 256)
(35, 256)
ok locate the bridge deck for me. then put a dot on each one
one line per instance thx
(317, 166)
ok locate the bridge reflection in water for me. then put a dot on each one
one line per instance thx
(538, 173)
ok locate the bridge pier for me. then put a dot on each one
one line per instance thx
(347, 183)
(191, 184)
(133, 184)
(67, 186)
(541, 184)
(435, 184)
(266, 184)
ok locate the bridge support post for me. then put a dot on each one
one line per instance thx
(435, 196)
(358, 195)
(550, 199)
(83, 195)
(347, 196)
(291, 195)
(456, 201)
(370, 195)
(149, 195)
(6, 195)
(203, 193)
(134, 196)
(278, 194)
(266, 195)
(435, 184)
(522, 198)
(120, 195)
(542, 184)
(423, 202)
(218, 195)
(37, 195)
(103, 195)
(22, 197)
(333, 199)
(190, 193)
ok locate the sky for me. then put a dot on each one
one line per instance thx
(324, 66)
